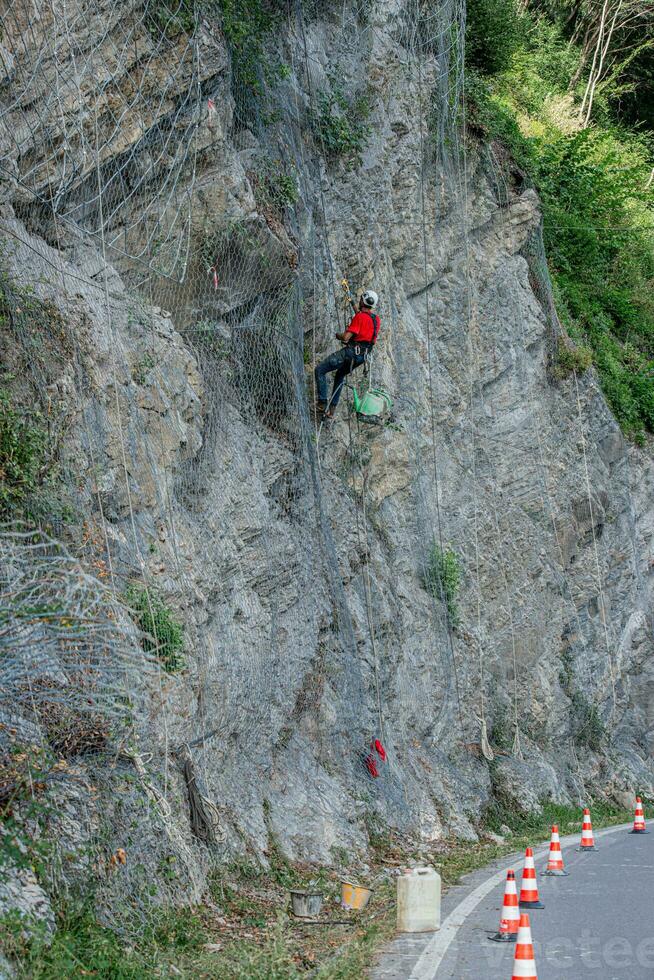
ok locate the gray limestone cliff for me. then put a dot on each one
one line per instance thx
(297, 558)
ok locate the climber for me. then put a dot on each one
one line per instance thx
(358, 341)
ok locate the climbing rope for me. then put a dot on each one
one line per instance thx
(123, 451)
(547, 503)
(474, 377)
(205, 816)
(432, 416)
(79, 374)
(321, 194)
(366, 579)
(602, 602)
(472, 314)
(351, 448)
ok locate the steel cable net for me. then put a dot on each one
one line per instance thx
(100, 120)
(249, 277)
(69, 654)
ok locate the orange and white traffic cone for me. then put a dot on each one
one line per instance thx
(528, 886)
(639, 819)
(524, 964)
(555, 860)
(587, 841)
(510, 915)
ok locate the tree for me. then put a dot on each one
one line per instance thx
(614, 37)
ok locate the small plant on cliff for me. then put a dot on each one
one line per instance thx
(163, 635)
(22, 453)
(442, 579)
(588, 727)
(235, 241)
(168, 18)
(275, 188)
(247, 24)
(339, 122)
(142, 368)
(570, 360)
(502, 730)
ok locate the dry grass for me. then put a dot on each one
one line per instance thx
(244, 929)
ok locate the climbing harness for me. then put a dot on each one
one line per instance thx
(374, 402)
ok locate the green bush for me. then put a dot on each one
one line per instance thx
(82, 946)
(586, 724)
(247, 25)
(588, 727)
(237, 238)
(546, 55)
(163, 635)
(23, 442)
(275, 189)
(570, 360)
(169, 18)
(142, 368)
(443, 578)
(502, 730)
(493, 33)
(503, 811)
(339, 123)
(597, 215)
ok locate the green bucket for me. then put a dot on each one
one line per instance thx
(375, 402)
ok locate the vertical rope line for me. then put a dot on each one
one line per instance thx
(366, 572)
(368, 589)
(473, 374)
(431, 391)
(314, 271)
(168, 500)
(87, 430)
(562, 579)
(472, 315)
(595, 548)
(321, 195)
(137, 549)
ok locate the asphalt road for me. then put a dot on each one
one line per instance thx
(597, 923)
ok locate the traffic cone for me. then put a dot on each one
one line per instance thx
(555, 860)
(509, 916)
(528, 886)
(639, 819)
(524, 964)
(587, 842)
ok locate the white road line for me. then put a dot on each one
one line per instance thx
(437, 947)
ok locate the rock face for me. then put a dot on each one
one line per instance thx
(298, 557)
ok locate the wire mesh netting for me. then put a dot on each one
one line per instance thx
(99, 126)
(223, 168)
(113, 138)
(68, 654)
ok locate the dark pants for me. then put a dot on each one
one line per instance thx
(342, 362)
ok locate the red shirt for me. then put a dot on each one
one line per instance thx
(362, 326)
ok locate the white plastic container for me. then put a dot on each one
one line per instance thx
(419, 900)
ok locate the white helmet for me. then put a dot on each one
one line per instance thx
(369, 298)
